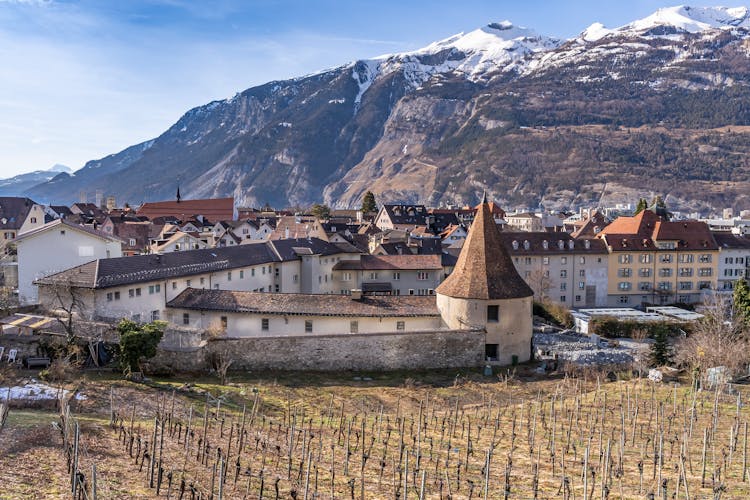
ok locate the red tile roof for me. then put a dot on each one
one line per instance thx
(213, 209)
(646, 229)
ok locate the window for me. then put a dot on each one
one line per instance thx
(203, 281)
(705, 271)
(151, 289)
(117, 295)
(623, 285)
(295, 278)
(400, 325)
(490, 352)
(33, 220)
(644, 272)
(563, 273)
(667, 245)
(625, 259)
(185, 318)
(665, 272)
(216, 286)
(353, 326)
(623, 299)
(276, 272)
(563, 286)
(686, 258)
(666, 258)
(686, 271)
(224, 322)
(137, 292)
(582, 260)
(188, 282)
(308, 326)
(644, 258)
(527, 260)
(545, 261)
(493, 314)
(252, 272)
(686, 285)
(131, 293)
(155, 315)
(229, 276)
(264, 270)
(624, 272)
(665, 285)
(423, 275)
(563, 260)
(581, 285)
(411, 291)
(704, 285)
(373, 276)
(174, 285)
(563, 298)
(578, 298)
(242, 273)
(729, 260)
(582, 273)
(276, 288)
(109, 297)
(644, 286)
(396, 276)
(704, 258)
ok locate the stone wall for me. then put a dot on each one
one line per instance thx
(369, 352)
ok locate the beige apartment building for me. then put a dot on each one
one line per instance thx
(656, 261)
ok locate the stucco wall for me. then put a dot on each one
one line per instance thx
(512, 333)
(385, 351)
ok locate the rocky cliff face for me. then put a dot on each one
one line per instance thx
(659, 105)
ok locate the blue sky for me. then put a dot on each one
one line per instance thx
(80, 79)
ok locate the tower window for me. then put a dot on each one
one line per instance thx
(493, 314)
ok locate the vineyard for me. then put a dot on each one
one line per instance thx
(569, 438)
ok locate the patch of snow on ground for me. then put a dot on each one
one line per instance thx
(34, 391)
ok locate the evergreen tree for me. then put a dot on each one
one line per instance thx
(138, 342)
(661, 350)
(322, 212)
(641, 206)
(741, 299)
(368, 203)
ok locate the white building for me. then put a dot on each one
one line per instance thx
(734, 260)
(139, 287)
(57, 246)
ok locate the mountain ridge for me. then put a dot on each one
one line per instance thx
(412, 125)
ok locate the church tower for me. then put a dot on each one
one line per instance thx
(485, 291)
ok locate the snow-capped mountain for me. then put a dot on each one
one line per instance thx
(15, 185)
(659, 102)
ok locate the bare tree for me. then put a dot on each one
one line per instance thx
(718, 339)
(67, 305)
(540, 283)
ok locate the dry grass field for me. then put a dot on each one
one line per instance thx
(445, 434)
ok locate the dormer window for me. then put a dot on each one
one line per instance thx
(545, 244)
(561, 244)
(515, 245)
(571, 244)
(526, 244)
(586, 244)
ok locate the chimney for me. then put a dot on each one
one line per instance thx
(356, 294)
(286, 233)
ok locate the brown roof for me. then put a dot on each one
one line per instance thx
(484, 269)
(644, 230)
(386, 262)
(533, 243)
(78, 227)
(304, 304)
(212, 209)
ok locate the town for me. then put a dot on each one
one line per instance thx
(208, 266)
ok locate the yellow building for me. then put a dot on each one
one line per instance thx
(657, 261)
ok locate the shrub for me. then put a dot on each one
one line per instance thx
(554, 313)
(608, 326)
(138, 342)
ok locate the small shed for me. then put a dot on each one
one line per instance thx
(29, 324)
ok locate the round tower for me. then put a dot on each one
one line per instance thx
(486, 292)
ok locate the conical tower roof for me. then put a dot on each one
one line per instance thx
(484, 269)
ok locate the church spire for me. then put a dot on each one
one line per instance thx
(178, 194)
